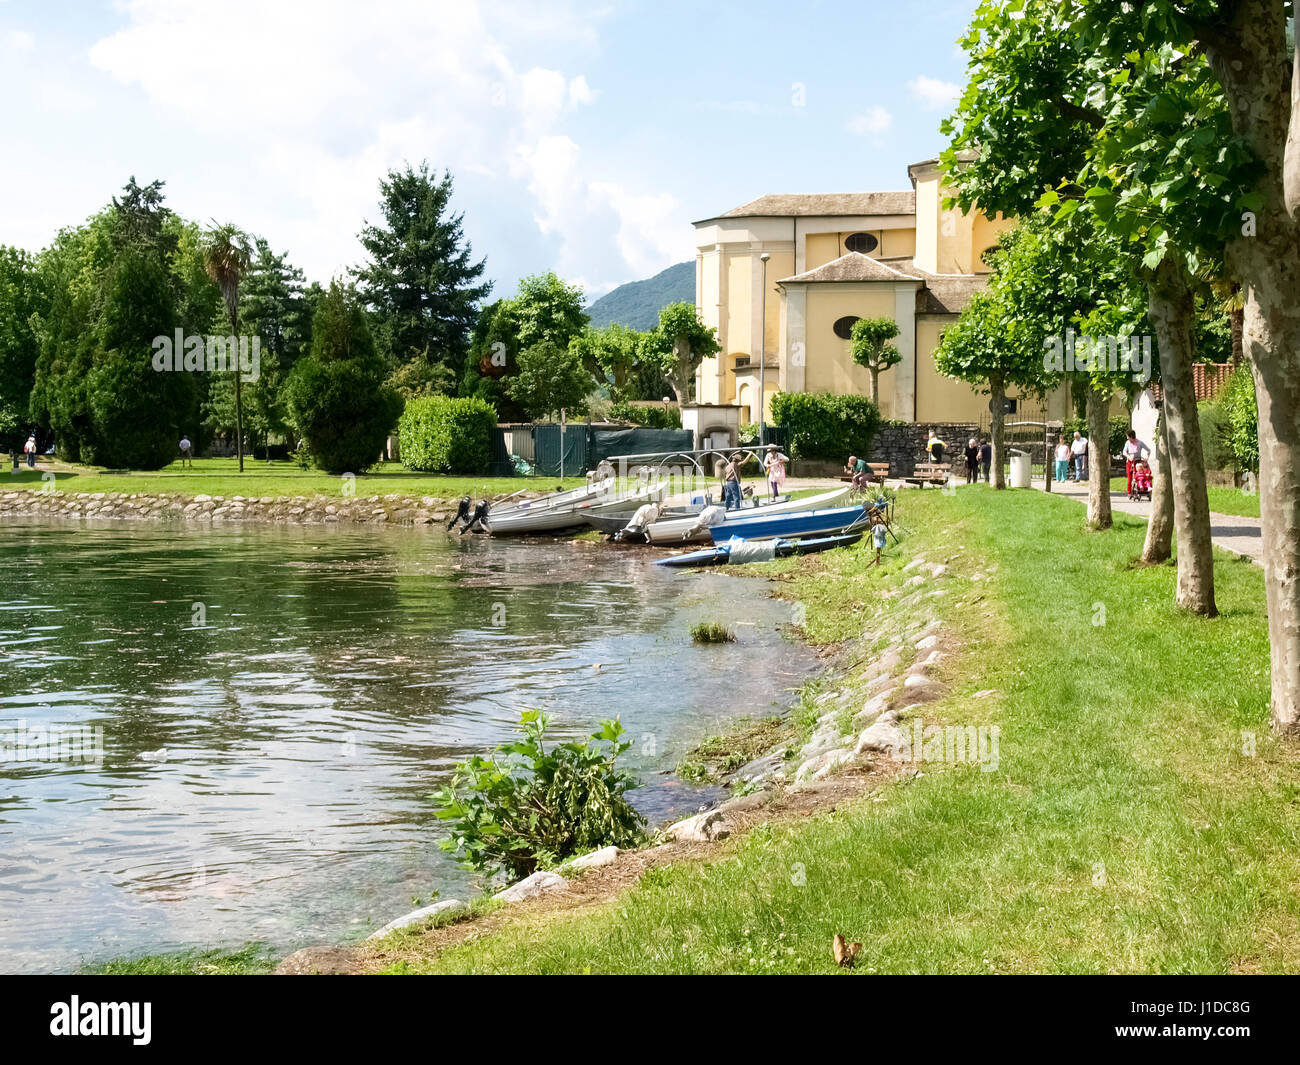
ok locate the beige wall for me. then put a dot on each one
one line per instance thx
(939, 398)
(830, 365)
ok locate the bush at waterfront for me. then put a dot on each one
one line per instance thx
(439, 434)
(826, 426)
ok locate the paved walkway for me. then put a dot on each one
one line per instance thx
(1231, 532)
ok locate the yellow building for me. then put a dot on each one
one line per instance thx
(831, 259)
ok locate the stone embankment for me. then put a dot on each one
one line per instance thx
(275, 510)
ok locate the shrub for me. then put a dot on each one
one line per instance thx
(822, 425)
(1242, 413)
(1119, 427)
(439, 434)
(656, 417)
(525, 808)
(1215, 432)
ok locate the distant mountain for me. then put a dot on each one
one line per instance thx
(638, 303)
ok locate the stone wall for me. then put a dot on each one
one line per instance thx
(902, 444)
(301, 510)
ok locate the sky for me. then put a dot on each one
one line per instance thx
(582, 138)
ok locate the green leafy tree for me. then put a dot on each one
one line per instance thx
(550, 379)
(227, 255)
(422, 281)
(336, 396)
(23, 299)
(872, 349)
(611, 355)
(548, 309)
(678, 344)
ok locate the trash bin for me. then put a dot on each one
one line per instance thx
(1019, 469)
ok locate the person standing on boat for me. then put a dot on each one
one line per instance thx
(774, 462)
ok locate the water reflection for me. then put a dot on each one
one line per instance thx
(276, 705)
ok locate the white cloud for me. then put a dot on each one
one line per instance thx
(875, 120)
(22, 41)
(935, 95)
(301, 109)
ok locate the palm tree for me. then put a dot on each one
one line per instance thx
(227, 253)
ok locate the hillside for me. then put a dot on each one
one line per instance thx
(637, 304)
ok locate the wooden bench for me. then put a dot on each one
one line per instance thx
(929, 473)
(879, 471)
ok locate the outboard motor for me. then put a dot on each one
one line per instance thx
(462, 513)
(480, 513)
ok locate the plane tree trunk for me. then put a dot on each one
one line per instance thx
(1158, 545)
(1172, 311)
(997, 434)
(1098, 413)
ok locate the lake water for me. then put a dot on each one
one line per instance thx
(276, 705)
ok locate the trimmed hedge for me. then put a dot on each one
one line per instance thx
(823, 425)
(1119, 427)
(439, 434)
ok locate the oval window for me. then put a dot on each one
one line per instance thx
(844, 327)
(862, 243)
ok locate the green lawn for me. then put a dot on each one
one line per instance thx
(1222, 500)
(1141, 818)
(221, 477)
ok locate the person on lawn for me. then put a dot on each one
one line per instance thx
(858, 470)
(972, 460)
(986, 459)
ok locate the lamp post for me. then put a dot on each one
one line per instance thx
(762, 353)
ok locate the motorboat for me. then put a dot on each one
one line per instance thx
(679, 530)
(738, 551)
(798, 523)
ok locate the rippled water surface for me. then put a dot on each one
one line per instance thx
(277, 704)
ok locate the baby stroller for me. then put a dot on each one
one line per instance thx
(1141, 482)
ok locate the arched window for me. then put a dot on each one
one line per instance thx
(863, 243)
(844, 326)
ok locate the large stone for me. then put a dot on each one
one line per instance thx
(883, 735)
(927, 642)
(418, 917)
(595, 859)
(319, 961)
(702, 828)
(541, 882)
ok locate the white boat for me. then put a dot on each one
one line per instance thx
(689, 530)
(567, 510)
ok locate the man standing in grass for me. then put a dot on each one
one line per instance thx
(187, 450)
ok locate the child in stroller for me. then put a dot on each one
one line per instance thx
(1141, 481)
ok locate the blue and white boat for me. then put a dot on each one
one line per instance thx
(737, 551)
(800, 523)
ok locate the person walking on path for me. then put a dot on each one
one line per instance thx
(1062, 459)
(774, 462)
(934, 447)
(1134, 449)
(1079, 449)
(186, 452)
(986, 459)
(29, 449)
(972, 461)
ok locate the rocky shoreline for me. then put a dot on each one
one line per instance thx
(392, 509)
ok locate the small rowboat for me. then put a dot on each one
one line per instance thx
(686, 530)
(734, 552)
(801, 523)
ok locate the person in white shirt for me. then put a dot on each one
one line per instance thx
(1079, 448)
(1062, 459)
(1134, 449)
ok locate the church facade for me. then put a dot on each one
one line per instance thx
(833, 258)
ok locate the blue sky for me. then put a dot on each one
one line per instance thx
(583, 138)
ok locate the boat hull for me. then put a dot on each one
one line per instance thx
(800, 523)
(682, 530)
(721, 555)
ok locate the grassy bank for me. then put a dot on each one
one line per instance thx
(221, 477)
(1140, 819)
